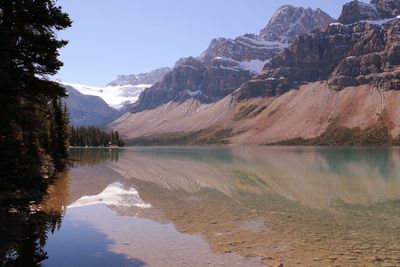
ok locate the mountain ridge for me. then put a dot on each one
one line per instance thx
(227, 63)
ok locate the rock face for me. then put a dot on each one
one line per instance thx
(357, 11)
(228, 63)
(390, 8)
(378, 9)
(88, 110)
(346, 55)
(374, 59)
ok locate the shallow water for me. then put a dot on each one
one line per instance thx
(227, 206)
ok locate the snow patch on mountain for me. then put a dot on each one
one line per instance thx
(255, 65)
(194, 93)
(260, 42)
(379, 22)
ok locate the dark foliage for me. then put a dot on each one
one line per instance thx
(27, 239)
(93, 136)
(32, 120)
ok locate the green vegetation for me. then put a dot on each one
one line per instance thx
(202, 137)
(377, 134)
(33, 121)
(244, 111)
(93, 136)
(258, 111)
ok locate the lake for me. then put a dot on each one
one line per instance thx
(244, 206)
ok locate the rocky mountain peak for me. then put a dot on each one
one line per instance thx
(213, 49)
(288, 22)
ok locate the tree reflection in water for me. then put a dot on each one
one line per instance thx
(24, 225)
(93, 156)
(24, 237)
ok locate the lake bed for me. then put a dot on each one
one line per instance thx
(244, 206)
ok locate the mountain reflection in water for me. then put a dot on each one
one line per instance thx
(292, 205)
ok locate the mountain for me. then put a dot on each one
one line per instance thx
(227, 63)
(90, 105)
(124, 89)
(288, 22)
(88, 109)
(336, 85)
(353, 54)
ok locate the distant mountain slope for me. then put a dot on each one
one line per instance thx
(151, 77)
(227, 63)
(88, 109)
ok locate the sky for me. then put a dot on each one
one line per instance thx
(112, 37)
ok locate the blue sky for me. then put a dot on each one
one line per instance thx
(131, 36)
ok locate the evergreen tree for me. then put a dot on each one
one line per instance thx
(28, 55)
(61, 133)
(92, 136)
